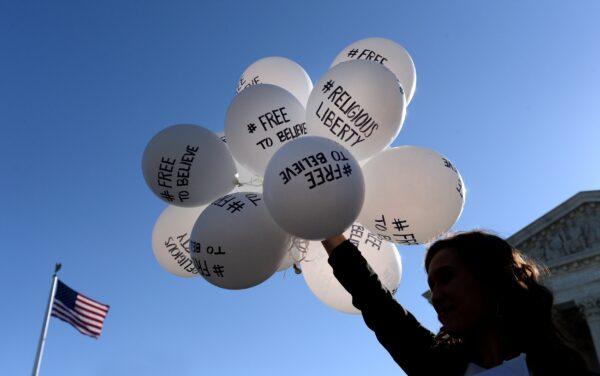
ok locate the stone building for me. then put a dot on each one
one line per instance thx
(567, 241)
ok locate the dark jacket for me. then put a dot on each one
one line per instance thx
(411, 345)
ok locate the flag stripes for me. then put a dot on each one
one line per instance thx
(83, 313)
(81, 318)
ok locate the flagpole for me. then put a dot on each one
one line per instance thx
(40, 349)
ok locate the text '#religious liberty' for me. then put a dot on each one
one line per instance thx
(178, 249)
(355, 126)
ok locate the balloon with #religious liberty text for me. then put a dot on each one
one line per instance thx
(313, 188)
(171, 237)
(278, 71)
(382, 257)
(187, 165)
(358, 104)
(236, 244)
(388, 53)
(259, 120)
(412, 195)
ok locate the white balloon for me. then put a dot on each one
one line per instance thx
(259, 121)
(248, 181)
(170, 239)
(313, 188)
(382, 257)
(358, 104)
(388, 53)
(235, 244)
(365, 161)
(187, 165)
(413, 195)
(278, 71)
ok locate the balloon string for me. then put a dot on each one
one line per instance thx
(255, 181)
(292, 244)
(302, 246)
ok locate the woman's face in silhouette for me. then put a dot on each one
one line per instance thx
(458, 297)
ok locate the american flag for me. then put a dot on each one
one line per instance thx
(85, 314)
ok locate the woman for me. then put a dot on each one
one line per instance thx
(488, 298)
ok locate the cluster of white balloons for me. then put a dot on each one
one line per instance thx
(297, 164)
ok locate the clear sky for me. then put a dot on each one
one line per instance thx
(509, 91)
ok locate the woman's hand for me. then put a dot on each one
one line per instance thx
(331, 243)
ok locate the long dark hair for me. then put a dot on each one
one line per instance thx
(524, 305)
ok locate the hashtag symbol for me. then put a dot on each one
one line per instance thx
(328, 86)
(167, 196)
(352, 53)
(251, 128)
(235, 206)
(399, 224)
(218, 270)
(347, 169)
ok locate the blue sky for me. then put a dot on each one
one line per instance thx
(507, 90)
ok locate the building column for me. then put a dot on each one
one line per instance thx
(591, 310)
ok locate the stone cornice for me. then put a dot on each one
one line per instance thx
(567, 236)
(575, 263)
(553, 215)
(590, 307)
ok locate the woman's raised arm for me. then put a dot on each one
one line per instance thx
(411, 345)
